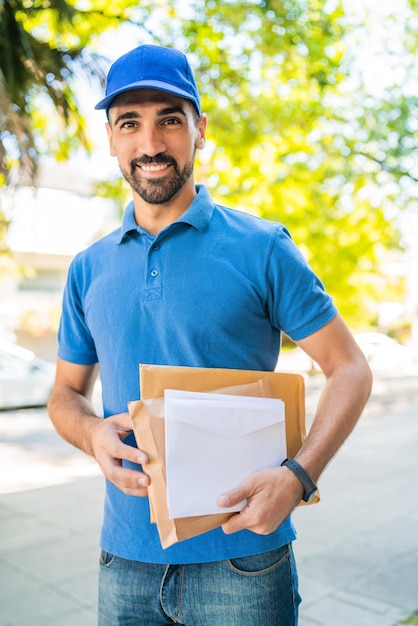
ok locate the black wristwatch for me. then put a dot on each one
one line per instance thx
(309, 486)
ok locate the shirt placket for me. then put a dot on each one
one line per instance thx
(154, 271)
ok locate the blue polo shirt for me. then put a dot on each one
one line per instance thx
(213, 289)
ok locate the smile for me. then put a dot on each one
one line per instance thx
(154, 167)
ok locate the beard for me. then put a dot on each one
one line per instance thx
(158, 190)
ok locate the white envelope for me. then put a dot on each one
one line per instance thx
(215, 441)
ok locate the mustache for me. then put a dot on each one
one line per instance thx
(156, 160)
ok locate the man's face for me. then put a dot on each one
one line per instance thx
(154, 135)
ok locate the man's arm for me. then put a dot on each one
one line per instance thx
(273, 493)
(74, 419)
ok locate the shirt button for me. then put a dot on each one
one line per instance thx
(156, 246)
(154, 273)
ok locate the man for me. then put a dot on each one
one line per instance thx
(185, 281)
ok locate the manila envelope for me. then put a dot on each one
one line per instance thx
(147, 416)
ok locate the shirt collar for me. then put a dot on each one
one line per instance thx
(197, 215)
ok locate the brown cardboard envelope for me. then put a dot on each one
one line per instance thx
(148, 424)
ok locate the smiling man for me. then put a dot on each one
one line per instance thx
(165, 131)
(186, 281)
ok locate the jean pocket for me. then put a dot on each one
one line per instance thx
(263, 563)
(106, 558)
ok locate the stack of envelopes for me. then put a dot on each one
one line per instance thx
(204, 431)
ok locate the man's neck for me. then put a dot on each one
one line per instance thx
(155, 217)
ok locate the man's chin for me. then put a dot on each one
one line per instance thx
(155, 196)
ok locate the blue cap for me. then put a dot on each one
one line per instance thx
(151, 67)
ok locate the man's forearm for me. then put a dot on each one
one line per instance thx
(73, 417)
(339, 408)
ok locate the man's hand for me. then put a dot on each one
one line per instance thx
(109, 451)
(271, 496)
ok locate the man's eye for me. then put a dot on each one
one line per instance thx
(171, 121)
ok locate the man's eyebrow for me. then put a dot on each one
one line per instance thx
(128, 115)
(172, 109)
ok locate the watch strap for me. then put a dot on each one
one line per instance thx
(309, 487)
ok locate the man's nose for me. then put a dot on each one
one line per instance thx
(151, 142)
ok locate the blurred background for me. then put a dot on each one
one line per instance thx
(313, 121)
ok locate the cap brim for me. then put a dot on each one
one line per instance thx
(146, 84)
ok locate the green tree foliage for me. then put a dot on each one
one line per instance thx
(292, 137)
(294, 143)
(43, 45)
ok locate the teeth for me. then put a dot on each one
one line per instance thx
(154, 167)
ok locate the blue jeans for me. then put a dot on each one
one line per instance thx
(258, 590)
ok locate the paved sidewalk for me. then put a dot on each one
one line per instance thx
(357, 550)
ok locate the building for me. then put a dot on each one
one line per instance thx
(50, 224)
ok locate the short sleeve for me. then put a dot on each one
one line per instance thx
(75, 343)
(298, 303)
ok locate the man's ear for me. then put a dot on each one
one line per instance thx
(201, 125)
(110, 139)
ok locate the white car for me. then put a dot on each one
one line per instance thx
(25, 380)
(385, 354)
